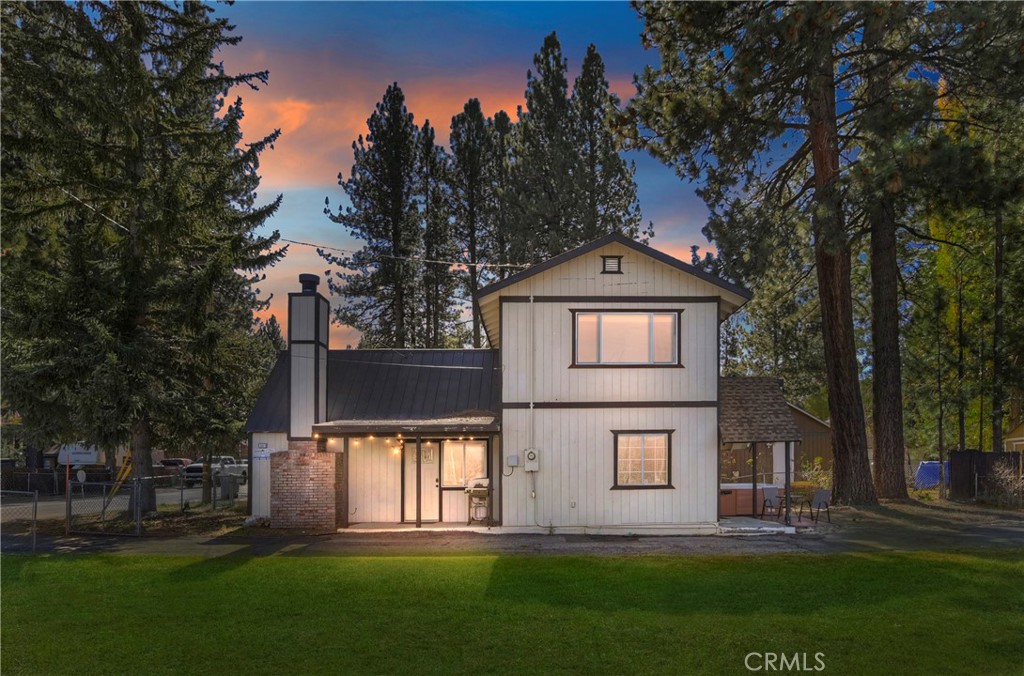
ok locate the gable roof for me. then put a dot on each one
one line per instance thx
(390, 385)
(810, 416)
(754, 409)
(270, 412)
(615, 238)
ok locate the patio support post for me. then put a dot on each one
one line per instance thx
(789, 494)
(753, 499)
(419, 482)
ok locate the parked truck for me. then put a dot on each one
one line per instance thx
(219, 464)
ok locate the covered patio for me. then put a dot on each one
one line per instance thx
(756, 437)
(398, 474)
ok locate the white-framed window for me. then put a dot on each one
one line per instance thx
(626, 338)
(463, 460)
(643, 458)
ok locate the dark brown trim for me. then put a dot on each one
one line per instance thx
(389, 426)
(611, 299)
(678, 312)
(419, 482)
(626, 366)
(401, 488)
(614, 238)
(616, 486)
(604, 265)
(610, 404)
(440, 480)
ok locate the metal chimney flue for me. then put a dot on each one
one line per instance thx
(309, 282)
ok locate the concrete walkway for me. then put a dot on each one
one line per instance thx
(886, 528)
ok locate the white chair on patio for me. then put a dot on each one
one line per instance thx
(772, 501)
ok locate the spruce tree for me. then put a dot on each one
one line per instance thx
(604, 181)
(546, 197)
(439, 284)
(129, 225)
(470, 142)
(378, 283)
(505, 241)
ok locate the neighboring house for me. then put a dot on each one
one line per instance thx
(598, 410)
(1014, 440)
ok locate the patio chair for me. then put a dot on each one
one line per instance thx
(820, 500)
(772, 501)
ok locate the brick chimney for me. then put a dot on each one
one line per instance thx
(309, 319)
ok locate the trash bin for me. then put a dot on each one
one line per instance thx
(228, 487)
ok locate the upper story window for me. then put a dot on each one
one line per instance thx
(626, 338)
(611, 265)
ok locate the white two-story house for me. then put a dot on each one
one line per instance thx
(598, 409)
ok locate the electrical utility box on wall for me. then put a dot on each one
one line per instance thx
(532, 463)
(513, 460)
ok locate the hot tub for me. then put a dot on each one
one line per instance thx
(737, 499)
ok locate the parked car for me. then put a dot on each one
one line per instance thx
(218, 464)
(177, 463)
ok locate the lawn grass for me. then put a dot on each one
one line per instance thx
(908, 613)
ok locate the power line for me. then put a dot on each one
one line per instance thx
(75, 197)
(408, 258)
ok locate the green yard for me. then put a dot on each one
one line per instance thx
(921, 613)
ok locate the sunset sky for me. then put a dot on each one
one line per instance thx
(330, 63)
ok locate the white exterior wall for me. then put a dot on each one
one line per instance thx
(573, 489)
(537, 350)
(259, 472)
(374, 482)
(577, 465)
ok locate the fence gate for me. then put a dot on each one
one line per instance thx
(105, 508)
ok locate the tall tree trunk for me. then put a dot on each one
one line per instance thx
(886, 381)
(142, 463)
(851, 470)
(474, 273)
(938, 389)
(961, 397)
(997, 338)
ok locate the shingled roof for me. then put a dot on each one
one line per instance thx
(754, 410)
(366, 385)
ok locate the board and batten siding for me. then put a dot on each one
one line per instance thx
(641, 276)
(573, 488)
(374, 482)
(577, 468)
(259, 470)
(537, 352)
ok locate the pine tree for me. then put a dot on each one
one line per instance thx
(735, 82)
(379, 282)
(130, 224)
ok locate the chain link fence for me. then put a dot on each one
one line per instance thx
(224, 493)
(19, 511)
(105, 507)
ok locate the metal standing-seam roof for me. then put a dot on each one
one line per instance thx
(391, 385)
(754, 409)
